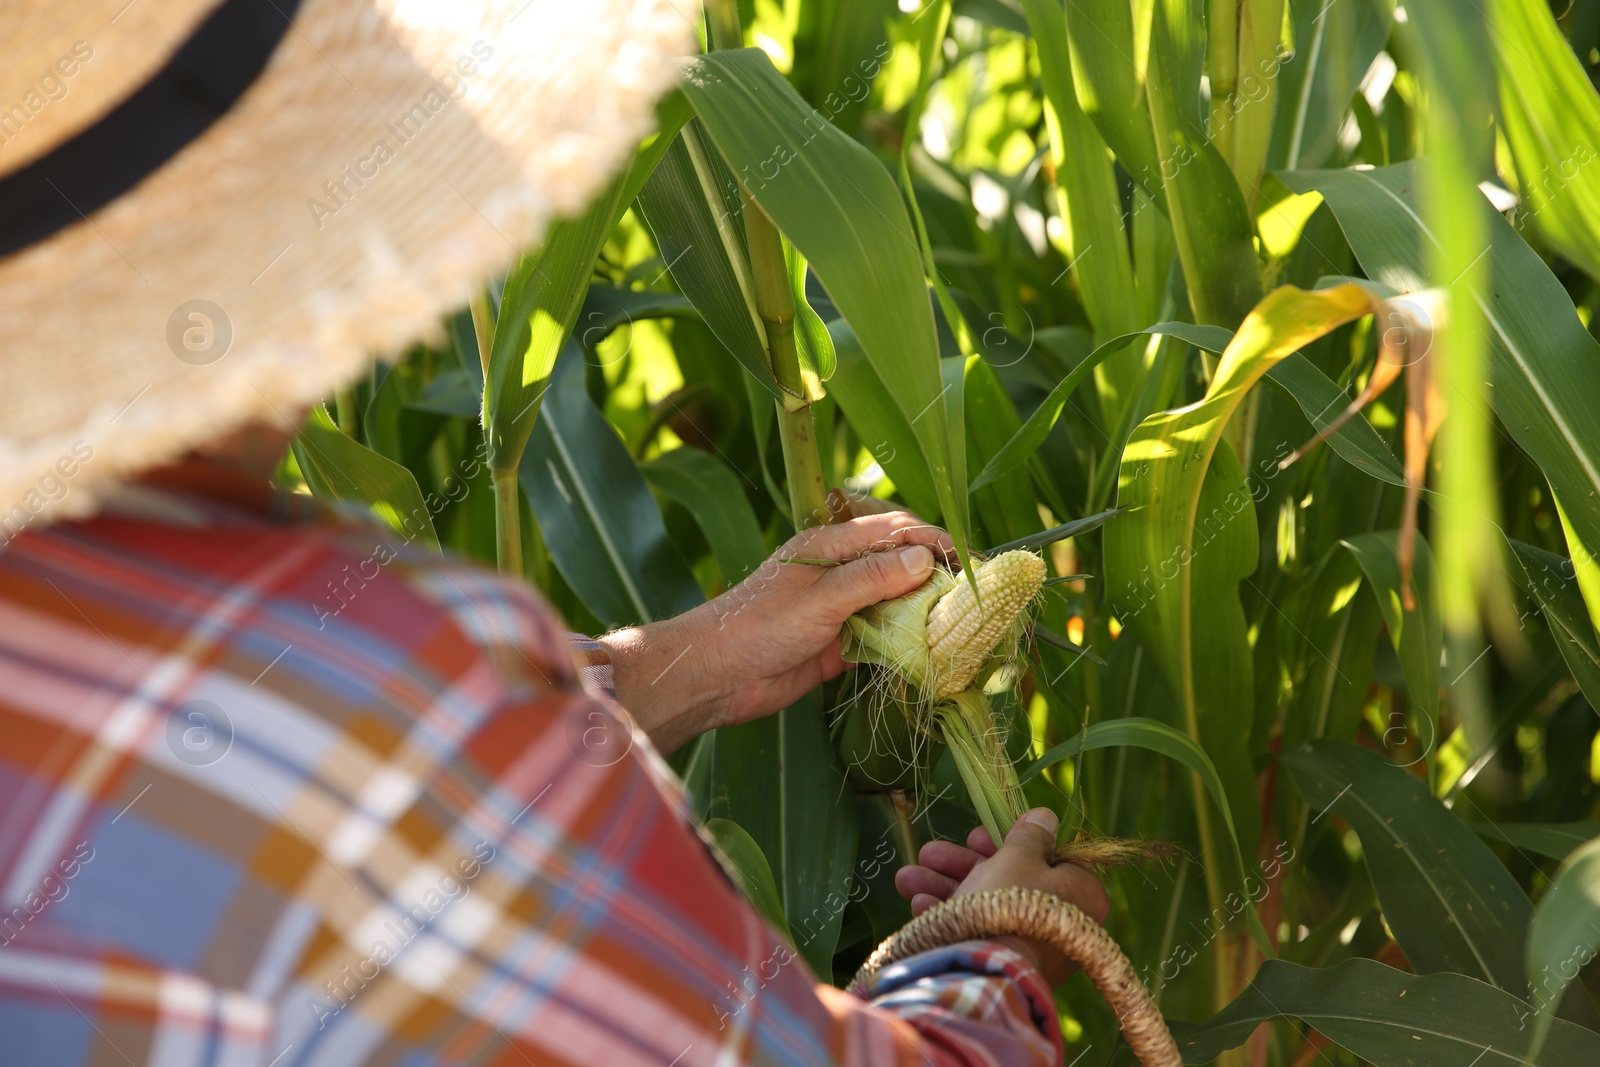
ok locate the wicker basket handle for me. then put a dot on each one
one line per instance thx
(1046, 918)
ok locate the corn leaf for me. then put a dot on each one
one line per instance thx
(1417, 634)
(1555, 840)
(1335, 42)
(1356, 442)
(1173, 568)
(1110, 87)
(1033, 542)
(1334, 640)
(1551, 121)
(741, 857)
(1549, 579)
(879, 422)
(1565, 934)
(538, 306)
(598, 519)
(338, 468)
(455, 392)
(1544, 366)
(544, 292)
(1390, 1019)
(1044, 635)
(832, 198)
(607, 307)
(762, 416)
(391, 426)
(819, 826)
(1088, 201)
(697, 222)
(1451, 903)
(1007, 509)
(1211, 225)
(810, 332)
(1033, 432)
(1158, 737)
(712, 493)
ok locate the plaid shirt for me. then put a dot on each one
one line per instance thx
(277, 790)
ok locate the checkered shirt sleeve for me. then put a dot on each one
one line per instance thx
(296, 795)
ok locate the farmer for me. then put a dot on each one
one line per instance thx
(236, 829)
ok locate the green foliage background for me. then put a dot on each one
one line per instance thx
(1012, 263)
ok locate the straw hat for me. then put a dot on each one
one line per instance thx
(216, 212)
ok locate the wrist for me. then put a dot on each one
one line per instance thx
(663, 679)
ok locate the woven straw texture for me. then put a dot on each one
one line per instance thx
(1050, 920)
(393, 155)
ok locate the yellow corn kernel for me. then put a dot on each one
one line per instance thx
(965, 626)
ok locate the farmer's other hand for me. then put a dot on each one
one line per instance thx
(946, 870)
(773, 637)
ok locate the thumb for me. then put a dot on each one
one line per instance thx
(876, 576)
(1033, 835)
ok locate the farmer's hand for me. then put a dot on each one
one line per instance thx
(762, 644)
(947, 870)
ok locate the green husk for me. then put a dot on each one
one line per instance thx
(894, 634)
(978, 747)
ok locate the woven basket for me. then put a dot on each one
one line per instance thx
(1046, 918)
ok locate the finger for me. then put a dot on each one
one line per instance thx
(1033, 836)
(910, 881)
(949, 858)
(850, 540)
(980, 842)
(922, 902)
(861, 583)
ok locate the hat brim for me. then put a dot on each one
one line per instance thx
(389, 158)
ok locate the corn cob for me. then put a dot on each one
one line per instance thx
(967, 624)
(937, 638)
(942, 645)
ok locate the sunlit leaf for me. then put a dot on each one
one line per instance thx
(1551, 121)
(339, 468)
(1037, 428)
(697, 224)
(1544, 366)
(1565, 933)
(1174, 564)
(839, 207)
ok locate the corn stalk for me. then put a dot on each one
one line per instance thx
(774, 304)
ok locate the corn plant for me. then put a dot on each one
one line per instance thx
(1244, 349)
